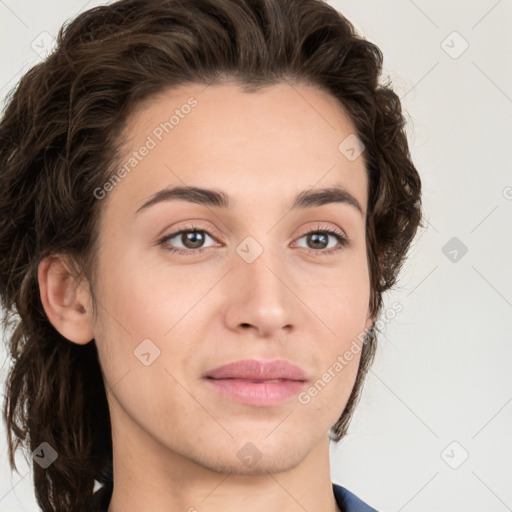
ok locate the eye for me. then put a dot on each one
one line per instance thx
(191, 237)
(319, 238)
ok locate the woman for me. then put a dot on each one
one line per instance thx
(203, 204)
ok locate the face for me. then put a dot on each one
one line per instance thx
(187, 285)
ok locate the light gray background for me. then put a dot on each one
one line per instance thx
(440, 387)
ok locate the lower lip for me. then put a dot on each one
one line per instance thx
(257, 393)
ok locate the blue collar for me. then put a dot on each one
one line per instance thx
(348, 502)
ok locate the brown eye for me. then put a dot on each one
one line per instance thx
(318, 240)
(324, 240)
(191, 240)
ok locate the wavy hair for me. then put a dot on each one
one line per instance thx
(60, 138)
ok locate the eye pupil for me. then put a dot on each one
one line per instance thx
(195, 237)
(314, 237)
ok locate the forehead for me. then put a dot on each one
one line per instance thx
(268, 144)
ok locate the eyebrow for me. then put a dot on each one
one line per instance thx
(217, 198)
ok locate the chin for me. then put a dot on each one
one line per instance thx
(275, 463)
(253, 454)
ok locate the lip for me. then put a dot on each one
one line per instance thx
(254, 369)
(253, 382)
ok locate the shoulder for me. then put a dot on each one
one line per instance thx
(348, 502)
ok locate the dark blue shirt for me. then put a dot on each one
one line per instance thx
(347, 502)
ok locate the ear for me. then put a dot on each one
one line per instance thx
(66, 300)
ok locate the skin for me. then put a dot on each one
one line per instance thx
(175, 439)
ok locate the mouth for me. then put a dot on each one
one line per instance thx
(258, 383)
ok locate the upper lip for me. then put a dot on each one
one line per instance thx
(253, 369)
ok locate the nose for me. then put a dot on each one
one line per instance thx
(261, 297)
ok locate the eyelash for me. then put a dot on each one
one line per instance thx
(342, 240)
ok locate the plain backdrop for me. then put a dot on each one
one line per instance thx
(430, 431)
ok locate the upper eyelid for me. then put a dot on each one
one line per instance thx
(190, 228)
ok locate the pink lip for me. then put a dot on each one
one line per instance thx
(247, 381)
(252, 369)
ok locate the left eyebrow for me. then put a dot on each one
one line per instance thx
(217, 198)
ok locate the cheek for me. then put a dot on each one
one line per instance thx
(148, 302)
(338, 299)
(328, 393)
(340, 305)
(147, 299)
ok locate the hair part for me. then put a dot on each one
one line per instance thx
(61, 137)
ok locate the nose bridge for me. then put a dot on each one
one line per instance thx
(259, 267)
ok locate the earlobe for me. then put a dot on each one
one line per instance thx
(65, 299)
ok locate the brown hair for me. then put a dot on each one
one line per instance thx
(60, 139)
